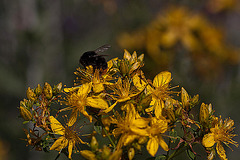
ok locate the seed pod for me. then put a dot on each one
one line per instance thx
(25, 113)
(47, 90)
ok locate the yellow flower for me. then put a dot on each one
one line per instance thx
(158, 126)
(122, 91)
(160, 92)
(77, 99)
(68, 137)
(220, 133)
(97, 77)
(130, 127)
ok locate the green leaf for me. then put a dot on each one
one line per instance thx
(190, 154)
(161, 157)
(97, 127)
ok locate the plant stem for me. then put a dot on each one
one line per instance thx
(110, 139)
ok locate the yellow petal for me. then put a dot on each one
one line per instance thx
(97, 102)
(149, 89)
(110, 108)
(70, 147)
(129, 138)
(85, 113)
(84, 89)
(56, 126)
(152, 146)
(158, 106)
(139, 83)
(162, 143)
(98, 87)
(70, 89)
(221, 151)
(161, 79)
(59, 144)
(73, 118)
(140, 122)
(208, 140)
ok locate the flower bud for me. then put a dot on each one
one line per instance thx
(47, 90)
(94, 143)
(124, 68)
(229, 123)
(140, 58)
(145, 102)
(204, 114)
(195, 100)
(137, 146)
(116, 155)
(185, 99)
(211, 155)
(106, 152)
(131, 153)
(58, 88)
(142, 140)
(170, 115)
(25, 113)
(178, 111)
(38, 90)
(89, 155)
(31, 95)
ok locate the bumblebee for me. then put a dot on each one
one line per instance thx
(92, 58)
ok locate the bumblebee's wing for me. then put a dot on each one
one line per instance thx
(102, 48)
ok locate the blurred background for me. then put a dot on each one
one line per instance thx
(42, 41)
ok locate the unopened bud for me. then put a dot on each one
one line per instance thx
(89, 155)
(178, 111)
(140, 58)
(47, 90)
(58, 88)
(145, 102)
(94, 143)
(131, 153)
(204, 113)
(106, 152)
(195, 100)
(185, 99)
(137, 146)
(38, 90)
(171, 115)
(124, 68)
(142, 140)
(31, 95)
(25, 113)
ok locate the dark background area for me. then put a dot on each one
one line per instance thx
(42, 41)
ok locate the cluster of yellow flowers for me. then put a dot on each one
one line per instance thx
(129, 110)
(181, 31)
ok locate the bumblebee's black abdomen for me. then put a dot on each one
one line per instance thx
(91, 58)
